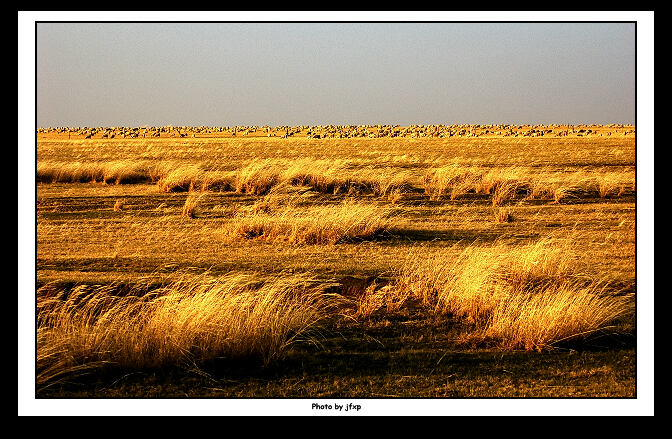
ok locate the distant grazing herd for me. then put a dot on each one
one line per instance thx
(343, 131)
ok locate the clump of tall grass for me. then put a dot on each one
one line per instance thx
(487, 286)
(221, 181)
(386, 182)
(125, 172)
(395, 196)
(455, 181)
(325, 176)
(508, 177)
(506, 190)
(452, 180)
(612, 185)
(191, 203)
(503, 215)
(344, 177)
(563, 193)
(324, 224)
(257, 178)
(191, 320)
(180, 179)
(113, 172)
(555, 313)
(540, 190)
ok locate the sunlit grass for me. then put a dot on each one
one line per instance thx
(528, 297)
(502, 242)
(552, 314)
(328, 224)
(191, 320)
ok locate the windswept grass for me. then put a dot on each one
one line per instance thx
(189, 209)
(503, 215)
(529, 297)
(374, 300)
(324, 224)
(261, 177)
(613, 185)
(257, 176)
(456, 180)
(191, 320)
(552, 314)
(111, 172)
(182, 178)
(325, 176)
(450, 180)
(422, 251)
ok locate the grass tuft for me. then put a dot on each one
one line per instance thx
(503, 215)
(524, 298)
(191, 203)
(191, 320)
(326, 224)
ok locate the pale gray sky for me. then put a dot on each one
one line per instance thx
(291, 73)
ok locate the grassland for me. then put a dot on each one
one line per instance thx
(484, 263)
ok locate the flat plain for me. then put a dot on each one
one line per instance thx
(363, 261)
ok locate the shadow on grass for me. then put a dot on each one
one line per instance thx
(456, 235)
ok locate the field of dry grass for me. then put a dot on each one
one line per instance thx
(379, 264)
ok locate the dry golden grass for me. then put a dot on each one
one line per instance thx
(555, 313)
(377, 299)
(501, 169)
(257, 178)
(326, 224)
(325, 176)
(503, 215)
(386, 168)
(191, 320)
(395, 196)
(191, 204)
(113, 172)
(455, 180)
(455, 253)
(610, 185)
(182, 178)
(528, 297)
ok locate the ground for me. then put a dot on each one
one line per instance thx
(124, 231)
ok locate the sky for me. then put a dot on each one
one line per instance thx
(342, 73)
